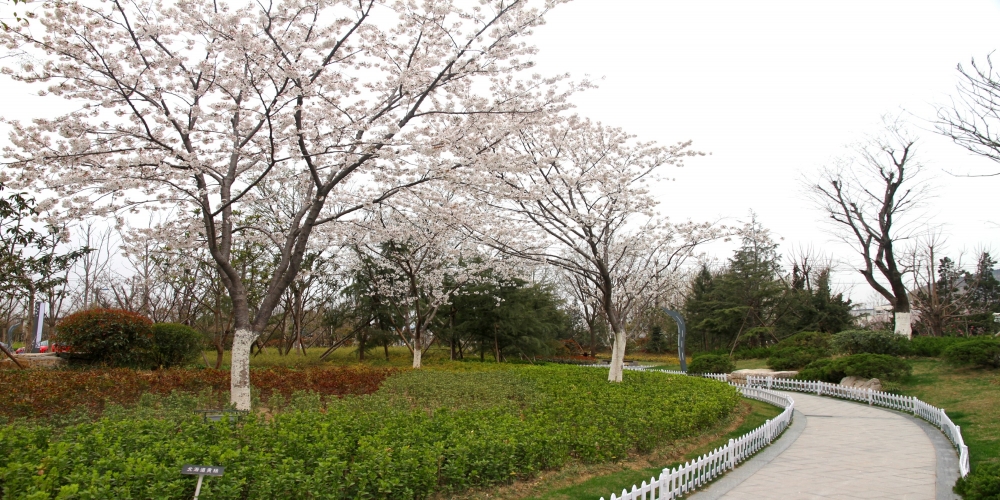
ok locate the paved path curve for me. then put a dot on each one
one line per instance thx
(837, 449)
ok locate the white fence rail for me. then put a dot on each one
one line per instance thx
(909, 404)
(684, 479)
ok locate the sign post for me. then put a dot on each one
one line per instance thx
(681, 334)
(201, 471)
(39, 323)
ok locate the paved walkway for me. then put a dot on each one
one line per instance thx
(842, 450)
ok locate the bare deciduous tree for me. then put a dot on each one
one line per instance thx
(866, 198)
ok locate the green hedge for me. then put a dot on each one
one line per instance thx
(175, 344)
(799, 350)
(880, 366)
(980, 352)
(711, 363)
(982, 484)
(871, 342)
(423, 432)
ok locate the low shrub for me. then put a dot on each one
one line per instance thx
(112, 337)
(880, 366)
(45, 393)
(806, 340)
(980, 352)
(752, 353)
(175, 344)
(932, 347)
(871, 342)
(793, 358)
(983, 483)
(409, 440)
(799, 350)
(711, 363)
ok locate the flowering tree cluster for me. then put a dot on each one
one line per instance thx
(208, 105)
(577, 195)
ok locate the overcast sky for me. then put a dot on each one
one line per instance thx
(777, 89)
(774, 90)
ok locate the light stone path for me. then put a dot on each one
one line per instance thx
(844, 450)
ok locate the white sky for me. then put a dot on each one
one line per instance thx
(774, 90)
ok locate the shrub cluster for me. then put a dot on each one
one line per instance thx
(871, 342)
(979, 352)
(425, 432)
(799, 350)
(175, 344)
(31, 393)
(932, 347)
(880, 366)
(982, 484)
(711, 363)
(112, 337)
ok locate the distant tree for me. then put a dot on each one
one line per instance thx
(657, 342)
(866, 198)
(32, 263)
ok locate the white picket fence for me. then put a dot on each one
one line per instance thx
(684, 479)
(909, 404)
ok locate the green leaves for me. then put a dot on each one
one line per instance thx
(423, 432)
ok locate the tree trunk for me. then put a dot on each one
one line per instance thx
(417, 352)
(903, 325)
(239, 381)
(617, 358)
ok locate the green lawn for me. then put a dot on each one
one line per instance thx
(971, 397)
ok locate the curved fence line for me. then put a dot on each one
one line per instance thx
(678, 481)
(909, 404)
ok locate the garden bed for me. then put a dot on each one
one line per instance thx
(422, 432)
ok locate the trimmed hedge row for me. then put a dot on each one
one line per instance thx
(423, 432)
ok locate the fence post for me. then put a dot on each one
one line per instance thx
(731, 455)
(870, 396)
(770, 382)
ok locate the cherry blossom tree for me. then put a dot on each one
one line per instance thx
(580, 194)
(414, 257)
(200, 103)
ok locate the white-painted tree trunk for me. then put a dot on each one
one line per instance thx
(617, 358)
(417, 352)
(239, 376)
(903, 326)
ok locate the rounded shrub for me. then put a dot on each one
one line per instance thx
(711, 363)
(981, 352)
(799, 350)
(113, 337)
(868, 341)
(865, 365)
(932, 347)
(982, 484)
(807, 340)
(175, 344)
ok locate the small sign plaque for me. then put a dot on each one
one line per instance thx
(203, 470)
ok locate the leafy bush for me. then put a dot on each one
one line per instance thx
(711, 363)
(932, 347)
(409, 440)
(799, 350)
(175, 344)
(981, 352)
(752, 353)
(880, 366)
(112, 337)
(871, 342)
(983, 483)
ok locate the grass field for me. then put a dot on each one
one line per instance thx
(971, 397)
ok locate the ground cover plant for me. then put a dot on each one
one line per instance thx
(422, 432)
(43, 393)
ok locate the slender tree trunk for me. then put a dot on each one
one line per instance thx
(903, 325)
(239, 386)
(617, 358)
